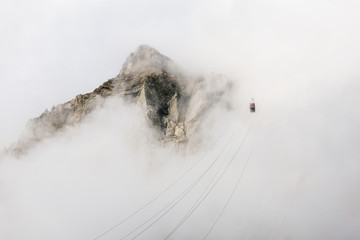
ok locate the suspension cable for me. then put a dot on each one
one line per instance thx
(175, 201)
(212, 187)
(235, 187)
(162, 192)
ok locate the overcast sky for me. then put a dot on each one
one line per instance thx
(302, 57)
(53, 50)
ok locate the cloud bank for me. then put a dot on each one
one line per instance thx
(299, 60)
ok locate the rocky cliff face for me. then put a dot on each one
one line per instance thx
(173, 102)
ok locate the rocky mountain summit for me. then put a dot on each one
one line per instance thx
(172, 101)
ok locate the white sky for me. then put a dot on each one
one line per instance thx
(53, 50)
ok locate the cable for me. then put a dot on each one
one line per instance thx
(179, 197)
(198, 204)
(251, 219)
(234, 189)
(182, 195)
(161, 193)
(230, 197)
(212, 179)
(207, 187)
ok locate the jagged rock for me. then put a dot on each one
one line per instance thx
(173, 103)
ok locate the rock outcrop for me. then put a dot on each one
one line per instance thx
(173, 102)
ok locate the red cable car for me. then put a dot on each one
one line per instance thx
(252, 105)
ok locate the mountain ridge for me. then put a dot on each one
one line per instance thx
(172, 102)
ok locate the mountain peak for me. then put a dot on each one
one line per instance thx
(146, 50)
(143, 58)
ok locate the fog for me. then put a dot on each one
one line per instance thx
(298, 59)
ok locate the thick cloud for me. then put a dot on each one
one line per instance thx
(298, 59)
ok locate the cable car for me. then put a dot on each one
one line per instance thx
(252, 105)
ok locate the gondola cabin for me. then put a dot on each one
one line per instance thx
(252, 107)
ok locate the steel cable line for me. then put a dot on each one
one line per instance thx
(261, 222)
(210, 182)
(161, 193)
(199, 202)
(208, 186)
(274, 219)
(230, 197)
(179, 197)
(262, 218)
(251, 219)
(212, 187)
(234, 189)
(172, 204)
(254, 212)
(213, 178)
